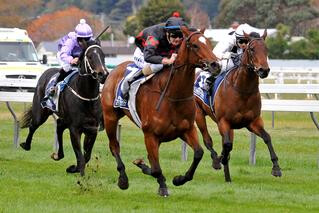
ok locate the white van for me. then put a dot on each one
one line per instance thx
(20, 67)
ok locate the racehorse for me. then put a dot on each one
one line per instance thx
(79, 107)
(237, 104)
(175, 116)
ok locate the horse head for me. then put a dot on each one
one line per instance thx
(93, 61)
(256, 53)
(199, 51)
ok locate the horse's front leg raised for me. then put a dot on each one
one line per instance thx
(257, 127)
(76, 144)
(201, 124)
(152, 147)
(191, 138)
(227, 140)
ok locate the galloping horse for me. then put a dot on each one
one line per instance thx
(237, 104)
(79, 106)
(176, 115)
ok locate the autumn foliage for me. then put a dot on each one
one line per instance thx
(54, 25)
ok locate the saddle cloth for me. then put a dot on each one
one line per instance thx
(50, 102)
(207, 95)
(130, 104)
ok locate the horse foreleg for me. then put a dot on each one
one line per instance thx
(152, 147)
(111, 128)
(257, 127)
(76, 144)
(59, 131)
(89, 141)
(201, 124)
(191, 139)
(227, 140)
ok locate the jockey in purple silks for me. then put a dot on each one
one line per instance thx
(156, 47)
(69, 50)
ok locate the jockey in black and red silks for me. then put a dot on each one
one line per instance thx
(156, 47)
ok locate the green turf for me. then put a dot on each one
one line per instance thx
(32, 182)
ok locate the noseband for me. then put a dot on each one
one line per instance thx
(87, 66)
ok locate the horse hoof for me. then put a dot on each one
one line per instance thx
(123, 183)
(72, 169)
(179, 180)
(163, 192)
(276, 172)
(56, 156)
(216, 165)
(25, 146)
(138, 162)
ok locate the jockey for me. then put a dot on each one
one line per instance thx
(230, 49)
(69, 50)
(156, 47)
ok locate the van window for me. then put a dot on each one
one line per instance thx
(17, 52)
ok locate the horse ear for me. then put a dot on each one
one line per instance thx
(202, 30)
(185, 31)
(246, 35)
(265, 34)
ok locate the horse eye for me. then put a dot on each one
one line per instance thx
(195, 46)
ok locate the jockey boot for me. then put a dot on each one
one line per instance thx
(128, 81)
(60, 76)
(210, 82)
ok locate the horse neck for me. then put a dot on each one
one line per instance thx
(87, 86)
(245, 80)
(182, 82)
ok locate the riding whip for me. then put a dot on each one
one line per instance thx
(102, 32)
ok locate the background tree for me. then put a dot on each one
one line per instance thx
(54, 25)
(267, 13)
(154, 12)
(198, 17)
(16, 13)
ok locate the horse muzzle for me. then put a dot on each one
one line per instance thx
(212, 67)
(262, 72)
(101, 77)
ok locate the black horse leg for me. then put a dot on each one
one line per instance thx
(227, 138)
(191, 139)
(152, 147)
(59, 131)
(259, 130)
(76, 144)
(201, 124)
(37, 119)
(89, 141)
(114, 145)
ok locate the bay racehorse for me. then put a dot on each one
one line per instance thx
(79, 107)
(237, 104)
(176, 115)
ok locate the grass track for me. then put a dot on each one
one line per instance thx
(32, 182)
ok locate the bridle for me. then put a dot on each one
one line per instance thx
(87, 66)
(250, 65)
(89, 71)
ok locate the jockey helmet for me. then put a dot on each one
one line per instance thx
(239, 33)
(83, 30)
(173, 26)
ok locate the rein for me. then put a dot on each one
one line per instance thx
(250, 66)
(89, 71)
(173, 68)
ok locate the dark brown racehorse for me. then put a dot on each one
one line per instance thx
(238, 104)
(176, 115)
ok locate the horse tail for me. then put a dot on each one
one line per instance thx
(26, 119)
